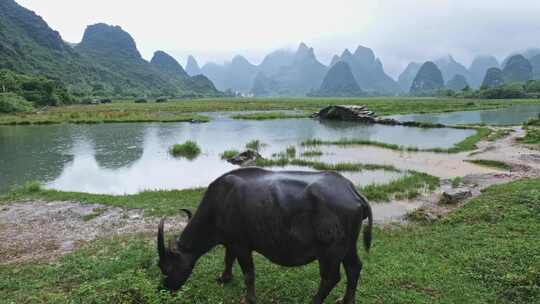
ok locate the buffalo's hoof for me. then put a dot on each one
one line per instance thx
(224, 280)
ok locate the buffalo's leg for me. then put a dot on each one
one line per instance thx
(330, 276)
(245, 259)
(353, 268)
(230, 257)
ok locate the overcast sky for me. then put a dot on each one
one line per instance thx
(399, 31)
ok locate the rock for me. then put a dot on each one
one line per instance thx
(454, 196)
(346, 113)
(246, 158)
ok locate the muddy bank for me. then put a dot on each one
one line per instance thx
(43, 231)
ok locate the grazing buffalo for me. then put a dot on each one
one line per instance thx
(292, 218)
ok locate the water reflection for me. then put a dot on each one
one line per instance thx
(127, 158)
(513, 115)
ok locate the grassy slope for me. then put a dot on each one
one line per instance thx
(486, 252)
(168, 111)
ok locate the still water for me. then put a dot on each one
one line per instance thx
(513, 115)
(128, 158)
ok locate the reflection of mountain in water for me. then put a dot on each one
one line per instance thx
(116, 145)
(32, 153)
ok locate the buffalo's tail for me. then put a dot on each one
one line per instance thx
(368, 229)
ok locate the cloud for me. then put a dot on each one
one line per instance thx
(399, 31)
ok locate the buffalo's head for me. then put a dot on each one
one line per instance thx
(175, 264)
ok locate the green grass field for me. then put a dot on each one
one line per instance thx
(486, 252)
(185, 110)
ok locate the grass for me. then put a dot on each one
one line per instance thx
(189, 150)
(255, 145)
(485, 252)
(269, 116)
(154, 203)
(228, 154)
(456, 181)
(499, 134)
(490, 163)
(95, 213)
(312, 153)
(322, 166)
(467, 144)
(186, 110)
(407, 186)
(532, 137)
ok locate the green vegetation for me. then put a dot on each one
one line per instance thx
(229, 154)
(406, 187)
(485, 252)
(321, 166)
(38, 90)
(491, 163)
(189, 150)
(179, 110)
(312, 153)
(155, 203)
(467, 144)
(499, 134)
(69, 115)
(532, 137)
(255, 145)
(12, 103)
(269, 116)
(291, 151)
(456, 181)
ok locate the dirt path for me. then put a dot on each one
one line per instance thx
(41, 231)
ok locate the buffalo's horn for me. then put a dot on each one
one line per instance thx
(188, 212)
(161, 240)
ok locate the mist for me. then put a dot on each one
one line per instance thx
(398, 31)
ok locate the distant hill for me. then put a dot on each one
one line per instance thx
(457, 83)
(368, 71)
(450, 67)
(339, 82)
(236, 75)
(535, 63)
(517, 69)
(276, 60)
(106, 62)
(192, 67)
(406, 77)
(304, 74)
(479, 67)
(428, 80)
(493, 78)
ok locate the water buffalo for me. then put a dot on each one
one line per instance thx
(291, 218)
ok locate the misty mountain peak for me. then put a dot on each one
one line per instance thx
(192, 67)
(102, 37)
(365, 54)
(240, 60)
(346, 53)
(167, 64)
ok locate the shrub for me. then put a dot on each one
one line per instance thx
(12, 103)
(228, 154)
(254, 145)
(291, 151)
(189, 150)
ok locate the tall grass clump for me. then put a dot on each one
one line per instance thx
(228, 154)
(255, 145)
(189, 150)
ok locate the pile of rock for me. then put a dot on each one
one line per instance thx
(345, 112)
(246, 158)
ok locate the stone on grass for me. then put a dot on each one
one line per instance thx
(455, 196)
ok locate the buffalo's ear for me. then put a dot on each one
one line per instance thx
(188, 213)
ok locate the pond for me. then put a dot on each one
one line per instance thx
(128, 158)
(513, 115)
